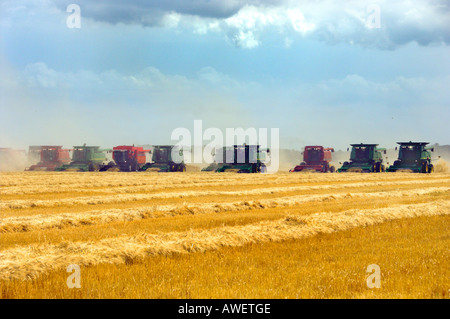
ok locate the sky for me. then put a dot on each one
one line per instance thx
(322, 72)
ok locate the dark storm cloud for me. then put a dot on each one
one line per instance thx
(401, 22)
(150, 12)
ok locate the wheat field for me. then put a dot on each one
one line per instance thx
(212, 235)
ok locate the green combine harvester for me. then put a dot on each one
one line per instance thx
(413, 157)
(365, 158)
(241, 159)
(163, 161)
(85, 159)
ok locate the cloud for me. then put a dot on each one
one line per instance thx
(113, 107)
(353, 89)
(245, 23)
(151, 12)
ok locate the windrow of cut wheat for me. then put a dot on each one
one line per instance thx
(107, 179)
(95, 200)
(96, 217)
(151, 186)
(34, 260)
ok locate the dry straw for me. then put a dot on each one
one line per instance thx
(31, 261)
(97, 217)
(120, 198)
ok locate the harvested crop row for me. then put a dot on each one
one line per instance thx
(97, 200)
(97, 217)
(31, 261)
(135, 187)
(101, 179)
(118, 188)
(42, 179)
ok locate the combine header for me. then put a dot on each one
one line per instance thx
(241, 159)
(163, 161)
(84, 159)
(51, 157)
(413, 157)
(316, 158)
(364, 158)
(126, 159)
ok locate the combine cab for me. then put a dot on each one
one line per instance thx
(413, 157)
(51, 157)
(315, 158)
(241, 159)
(364, 158)
(162, 160)
(84, 159)
(126, 159)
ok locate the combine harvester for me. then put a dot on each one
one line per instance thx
(50, 157)
(163, 161)
(241, 159)
(85, 158)
(413, 157)
(365, 158)
(317, 159)
(126, 159)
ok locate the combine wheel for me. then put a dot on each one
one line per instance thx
(430, 168)
(378, 167)
(424, 168)
(332, 169)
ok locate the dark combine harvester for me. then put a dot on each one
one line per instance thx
(413, 157)
(241, 159)
(364, 158)
(163, 159)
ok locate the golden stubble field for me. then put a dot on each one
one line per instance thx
(212, 235)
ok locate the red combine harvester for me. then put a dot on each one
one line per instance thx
(316, 158)
(126, 158)
(51, 157)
